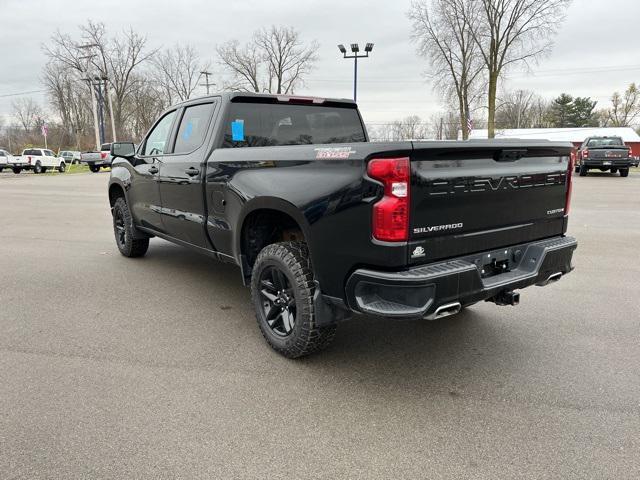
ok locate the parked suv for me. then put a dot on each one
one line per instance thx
(70, 156)
(40, 160)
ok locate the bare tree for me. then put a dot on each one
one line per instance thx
(442, 30)
(521, 109)
(27, 112)
(115, 58)
(510, 32)
(275, 61)
(288, 59)
(625, 108)
(243, 62)
(177, 71)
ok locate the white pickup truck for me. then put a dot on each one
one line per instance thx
(9, 161)
(40, 160)
(97, 160)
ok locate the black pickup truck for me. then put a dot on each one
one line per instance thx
(324, 223)
(604, 154)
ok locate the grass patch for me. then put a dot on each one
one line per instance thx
(72, 169)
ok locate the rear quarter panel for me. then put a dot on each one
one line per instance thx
(329, 198)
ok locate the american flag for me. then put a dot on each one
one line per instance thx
(469, 124)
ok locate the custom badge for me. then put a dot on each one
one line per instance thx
(334, 153)
(418, 252)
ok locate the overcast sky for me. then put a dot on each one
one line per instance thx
(595, 53)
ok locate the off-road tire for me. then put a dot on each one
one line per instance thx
(306, 337)
(583, 170)
(128, 246)
(624, 172)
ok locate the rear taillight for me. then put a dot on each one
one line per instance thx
(391, 213)
(103, 155)
(567, 203)
(585, 154)
(29, 160)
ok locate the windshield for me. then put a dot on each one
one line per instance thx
(605, 142)
(268, 124)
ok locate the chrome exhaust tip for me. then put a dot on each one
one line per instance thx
(554, 277)
(445, 310)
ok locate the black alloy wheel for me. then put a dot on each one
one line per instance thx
(119, 227)
(278, 301)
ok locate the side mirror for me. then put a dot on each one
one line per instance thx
(124, 150)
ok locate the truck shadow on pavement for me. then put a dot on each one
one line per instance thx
(444, 355)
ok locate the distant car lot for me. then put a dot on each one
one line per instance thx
(155, 368)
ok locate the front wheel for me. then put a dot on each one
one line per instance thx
(614, 170)
(282, 289)
(37, 168)
(123, 231)
(624, 172)
(62, 167)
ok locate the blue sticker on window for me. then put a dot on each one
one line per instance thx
(188, 130)
(237, 130)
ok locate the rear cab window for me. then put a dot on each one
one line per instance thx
(193, 127)
(251, 124)
(605, 142)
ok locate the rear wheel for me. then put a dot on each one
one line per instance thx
(94, 168)
(123, 231)
(1, 168)
(583, 170)
(624, 172)
(282, 290)
(16, 170)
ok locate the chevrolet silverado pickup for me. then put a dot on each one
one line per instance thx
(325, 224)
(605, 154)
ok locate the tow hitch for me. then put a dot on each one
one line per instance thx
(506, 297)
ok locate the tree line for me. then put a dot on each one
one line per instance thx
(520, 109)
(141, 81)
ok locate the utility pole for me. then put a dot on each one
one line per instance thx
(93, 93)
(206, 82)
(98, 86)
(355, 49)
(113, 122)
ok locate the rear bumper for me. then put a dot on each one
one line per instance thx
(611, 162)
(420, 291)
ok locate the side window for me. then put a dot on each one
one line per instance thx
(158, 139)
(193, 127)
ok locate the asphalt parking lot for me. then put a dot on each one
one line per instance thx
(154, 368)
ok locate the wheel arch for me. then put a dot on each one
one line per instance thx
(284, 218)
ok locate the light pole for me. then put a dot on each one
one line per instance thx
(355, 49)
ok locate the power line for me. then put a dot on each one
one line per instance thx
(21, 93)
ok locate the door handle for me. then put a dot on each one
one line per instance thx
(153, 169)
(192, 171)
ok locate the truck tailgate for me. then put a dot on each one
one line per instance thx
(479, 195)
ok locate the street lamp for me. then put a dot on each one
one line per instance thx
(355, 49)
